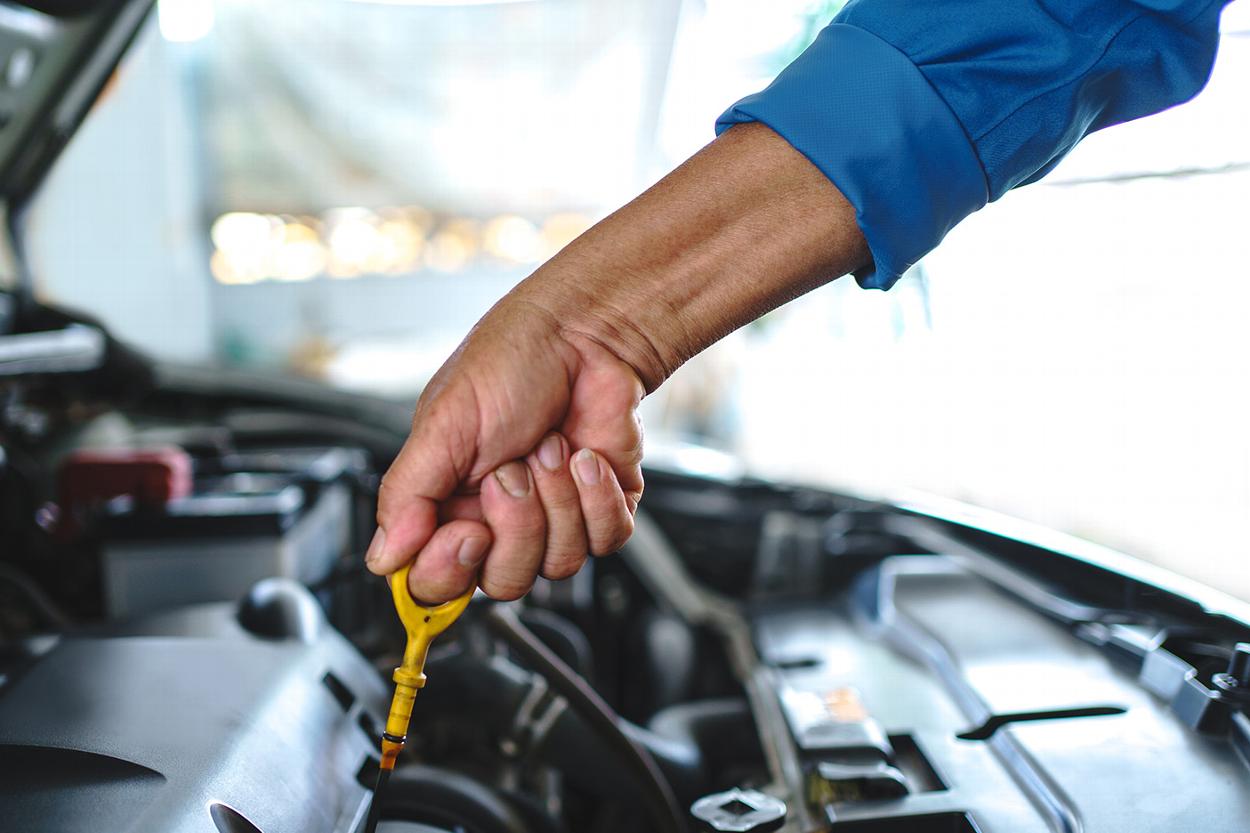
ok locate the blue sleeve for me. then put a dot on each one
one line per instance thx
(921, 112)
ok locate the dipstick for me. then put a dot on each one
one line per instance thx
(422, 624)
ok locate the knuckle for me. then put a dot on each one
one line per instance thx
(616, 537)
(386, 493)
(505, 590)
(528, 528)
(634, 497)
(391, 495)
(562, 502)
(558, 569)
(430, 592)
(526, 533)
(512, 509)
(568, 540)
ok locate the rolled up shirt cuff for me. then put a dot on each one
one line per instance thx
(862, 112)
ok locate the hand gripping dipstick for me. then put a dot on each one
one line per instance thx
(423, 624)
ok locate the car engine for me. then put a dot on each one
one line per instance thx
(190, 643)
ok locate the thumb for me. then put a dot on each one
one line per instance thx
(422, 475)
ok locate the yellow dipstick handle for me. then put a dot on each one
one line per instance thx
(423, 624)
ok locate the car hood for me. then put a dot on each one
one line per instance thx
(55, 58)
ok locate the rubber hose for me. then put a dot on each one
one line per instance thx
(491, 691)
(722, 729)
(561, 636)
(657, 795)
(448, 800)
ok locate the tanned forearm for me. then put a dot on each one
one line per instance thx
(742, 227)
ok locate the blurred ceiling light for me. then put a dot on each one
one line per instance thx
(419, 219)
(446, 253)
(512, 238)
(300, 256)
(452, 247)
(241, 233)
(231, 273)
(353, 241)
(401, 245)
(464, 227)
(184, 21)
(350, 242)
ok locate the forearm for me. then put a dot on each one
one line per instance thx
(742, 227)
(526, 448)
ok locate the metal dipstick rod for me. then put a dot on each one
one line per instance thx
(422, 625)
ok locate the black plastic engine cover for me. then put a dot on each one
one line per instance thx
(1021, 726)
(190, 723)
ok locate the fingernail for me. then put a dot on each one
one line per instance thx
(472, 551)
(587, 466)
(515, 478)
(376, 546)
(551, 453)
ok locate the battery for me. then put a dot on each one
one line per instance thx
(233, 530)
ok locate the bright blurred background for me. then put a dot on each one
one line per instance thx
(338, 190)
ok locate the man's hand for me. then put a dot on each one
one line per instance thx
(526, 448)
(525, 455)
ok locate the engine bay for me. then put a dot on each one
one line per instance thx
(191, 643)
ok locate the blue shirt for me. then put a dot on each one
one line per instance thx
(923, 111)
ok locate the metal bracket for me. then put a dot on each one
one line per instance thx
(537, 714)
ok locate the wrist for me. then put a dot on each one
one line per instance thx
(591, 304)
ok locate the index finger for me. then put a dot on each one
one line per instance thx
(427, 470)
(408, 506)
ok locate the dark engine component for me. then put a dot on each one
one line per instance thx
(448, 801)
(189, 721)
(758, 656)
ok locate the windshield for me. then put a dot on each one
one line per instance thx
(338, 190)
